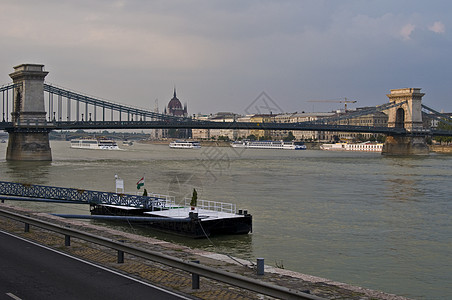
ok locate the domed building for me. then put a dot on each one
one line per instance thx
(175, 107)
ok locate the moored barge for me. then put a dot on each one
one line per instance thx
(202, 219)
(206, 219)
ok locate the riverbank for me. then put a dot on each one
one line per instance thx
(441, 148)
(174, 279)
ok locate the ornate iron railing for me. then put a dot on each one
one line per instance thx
(42, 192)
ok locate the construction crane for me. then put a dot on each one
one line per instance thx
(345, 101)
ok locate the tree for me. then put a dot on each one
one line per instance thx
(194, 198)
(251, 137)
(360, 138)
(381, 138)
(223, 138)
(172, 133)
(265, 138)
(444, 126)
(290, 137)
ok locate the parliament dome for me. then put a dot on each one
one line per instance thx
(175, 107)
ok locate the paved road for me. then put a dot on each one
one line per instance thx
(30, 271)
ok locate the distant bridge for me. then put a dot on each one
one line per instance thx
(32, 108)
(102, 114)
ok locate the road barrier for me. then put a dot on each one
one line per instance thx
(188, 266)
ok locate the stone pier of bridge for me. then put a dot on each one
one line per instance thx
(29, 136)
(407, 115)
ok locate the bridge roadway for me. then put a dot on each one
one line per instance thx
(32, 271)
(193, 124)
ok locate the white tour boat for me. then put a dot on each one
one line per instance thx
(366, 146)
(269, 145)
(97, 144)
(185, 145)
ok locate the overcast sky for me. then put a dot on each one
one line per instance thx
(221, 55)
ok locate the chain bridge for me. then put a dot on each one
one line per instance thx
(32, 108)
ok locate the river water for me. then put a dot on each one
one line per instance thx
(361, 218)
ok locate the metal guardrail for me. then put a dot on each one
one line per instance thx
(191, 267)
(213, 205)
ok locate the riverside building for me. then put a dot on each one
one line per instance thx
(176, 109)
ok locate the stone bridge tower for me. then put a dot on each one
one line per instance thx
(408, 116)
(29, 137)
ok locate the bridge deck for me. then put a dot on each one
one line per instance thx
(139, 118)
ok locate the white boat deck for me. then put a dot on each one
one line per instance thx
(203, 214)
(206, 210)
(122, 207)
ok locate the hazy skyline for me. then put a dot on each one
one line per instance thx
(221, 55)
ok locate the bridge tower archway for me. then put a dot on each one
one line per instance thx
(400, 118)
(407, 114)
(29, 136)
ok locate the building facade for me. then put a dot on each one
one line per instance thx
(378, 119)
(176, 109)
(296, 118)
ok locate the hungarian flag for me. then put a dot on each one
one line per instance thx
(140, 183)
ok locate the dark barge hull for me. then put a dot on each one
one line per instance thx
(193, 227)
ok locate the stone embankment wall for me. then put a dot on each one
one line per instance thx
(441, 148)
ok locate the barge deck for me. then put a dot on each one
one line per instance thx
(206, 219)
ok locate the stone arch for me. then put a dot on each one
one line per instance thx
(400, 118)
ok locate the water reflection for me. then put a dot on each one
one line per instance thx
(404, 189)
(34, 172)
(242, 244)
(181, 185)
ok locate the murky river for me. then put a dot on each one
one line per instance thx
(379, 222)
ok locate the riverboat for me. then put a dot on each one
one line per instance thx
(269, 145)
(94, 144)
(365, 146)
(185, 145)
(127, 143)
